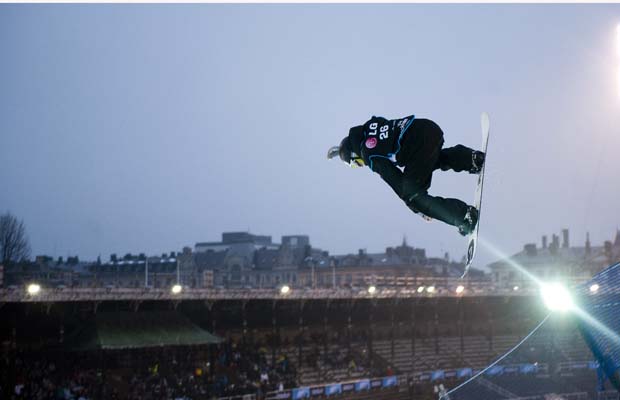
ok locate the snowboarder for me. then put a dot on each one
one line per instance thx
(415, 144)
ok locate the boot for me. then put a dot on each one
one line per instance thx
(477, 162)
(469, 221)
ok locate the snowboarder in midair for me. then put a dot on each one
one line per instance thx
(416, 145)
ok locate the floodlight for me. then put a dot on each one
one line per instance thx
(459, 289)
(420, 289)
(176, 289)
(594, 288)
(556, 297)
(285, 289)
(515, 288)
(430, 289)
(372, 289)
(33, 289)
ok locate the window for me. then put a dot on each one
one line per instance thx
(235, 273)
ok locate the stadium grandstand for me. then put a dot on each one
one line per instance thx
(247, 318)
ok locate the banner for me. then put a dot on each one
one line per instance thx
(528, 368)
(362, 385)
(348, 387)
(301, 393)
(390, 381)
(282, 395)
(376, 383)
(509, 369)
(463, 373)
(331, 390)
(437, 375)
(495, 370)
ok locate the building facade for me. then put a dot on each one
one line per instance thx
(555, 261)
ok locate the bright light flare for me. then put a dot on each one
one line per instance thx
(176, 289)
(459, 289)
(285, 289)
(420, 289)
(556, 297)
(515, 288)
(371, 289)
(618, 54)
(430, 289)
(618, 40)
(611, 334)
(33, 289)
(594, 288)
(618, 77)
(510, 261)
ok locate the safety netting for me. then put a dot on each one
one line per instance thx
(572, 355)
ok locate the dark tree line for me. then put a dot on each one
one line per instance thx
(14, 245)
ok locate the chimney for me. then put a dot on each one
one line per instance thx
(544, 241)
(607, 248)
(555, 244)
(530, 249)
(588, 248)
(565, 243)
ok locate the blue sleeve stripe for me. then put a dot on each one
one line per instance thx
(402, 133)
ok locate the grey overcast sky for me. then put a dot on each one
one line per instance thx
(145, 128)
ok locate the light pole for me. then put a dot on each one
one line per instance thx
(177, 288)
(146, 273)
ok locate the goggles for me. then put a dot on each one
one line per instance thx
(353, 159)
(356, 161)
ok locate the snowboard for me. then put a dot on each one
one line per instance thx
(472, 238)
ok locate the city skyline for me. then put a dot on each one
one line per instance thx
(561, 238)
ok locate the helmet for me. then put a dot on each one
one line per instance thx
(346, 153)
